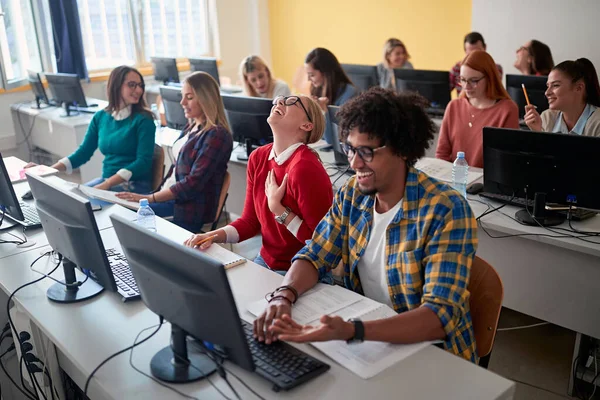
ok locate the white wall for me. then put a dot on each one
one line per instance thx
(569, 27)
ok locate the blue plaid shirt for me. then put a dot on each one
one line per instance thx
(430, 246)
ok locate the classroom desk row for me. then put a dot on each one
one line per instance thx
(85, 333)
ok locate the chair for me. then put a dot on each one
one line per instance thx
(222, 200)
(487, 293)
(158, 167)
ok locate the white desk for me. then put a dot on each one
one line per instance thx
(55, 134)
(104, 325)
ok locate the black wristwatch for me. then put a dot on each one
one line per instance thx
(359, 331)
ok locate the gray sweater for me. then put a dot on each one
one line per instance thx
(386, 75)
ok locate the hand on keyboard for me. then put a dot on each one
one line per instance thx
(275, 309)
(331, 328)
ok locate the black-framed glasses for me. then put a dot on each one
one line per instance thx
(365, 153)
(290, 101)
(133, 85)
(473, 81)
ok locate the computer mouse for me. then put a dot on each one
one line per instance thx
(27, 196)
(475, 188)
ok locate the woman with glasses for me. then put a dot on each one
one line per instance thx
(258, 81)
(124, 134)
(288, 190)
(534, 58)
(482, 102)
(191, 193)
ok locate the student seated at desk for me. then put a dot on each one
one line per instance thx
(258, 81)
(288, 189)
(124, 132)
(535, 58)
(483, 102)
(329, 83)
(192, 196)
(404, 239)
(395, 56)
(473, 41)
(573, 97)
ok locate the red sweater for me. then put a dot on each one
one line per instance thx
(309, 195)
(456, 134)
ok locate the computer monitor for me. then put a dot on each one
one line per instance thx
(66, 89)
(248, 120)
(433, 85)
(191, 291)
(362, 76)
(341, 158)
(557, 167)
(171, 98)
(8, 198)
(536, 91)
(71, 230)
(37, 88)
(165, 69)
(205, 64)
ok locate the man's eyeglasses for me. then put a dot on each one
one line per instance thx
(133, 85)
(472, 82)
(365, 153)
(290, 101)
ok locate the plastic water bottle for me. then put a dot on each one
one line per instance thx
(460, 171)
(145, 216)
(154, 109)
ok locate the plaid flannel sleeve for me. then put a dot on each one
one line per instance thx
(448, 258)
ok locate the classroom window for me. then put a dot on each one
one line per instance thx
(19, 45)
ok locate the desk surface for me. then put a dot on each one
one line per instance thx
(54, 113)
(112, 325)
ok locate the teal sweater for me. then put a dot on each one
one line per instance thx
(127, 144)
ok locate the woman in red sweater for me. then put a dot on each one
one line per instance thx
(288, 190)
(483, 102)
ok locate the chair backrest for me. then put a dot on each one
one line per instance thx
(222, 199)
(487, 293)
(158, 166)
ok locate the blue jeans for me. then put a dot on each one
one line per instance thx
(139, 187)
(261, 261)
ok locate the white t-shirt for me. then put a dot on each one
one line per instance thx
(281, 89)
(372, 265)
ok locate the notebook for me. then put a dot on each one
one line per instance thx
(228, 258)
(107, 195)
(16, 170)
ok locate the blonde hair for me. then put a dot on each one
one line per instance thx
(389, 46)
(208, 96)
(317, 117)
(251, 64)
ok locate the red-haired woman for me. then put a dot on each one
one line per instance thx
(483, 102)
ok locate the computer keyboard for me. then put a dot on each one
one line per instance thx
(577, 214)
(282, 364)
(435, 112)
(126, 285)
(32, 219)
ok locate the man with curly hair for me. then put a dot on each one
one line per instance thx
(403, 238)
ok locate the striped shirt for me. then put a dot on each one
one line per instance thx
(430, 246)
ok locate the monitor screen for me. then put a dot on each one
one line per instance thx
(66, 89)
(362, 76)
(171, 97)
(8, 198)
(248, 118)
(433, 85)
(205, 64)
(165, 69)
(536, 91)
(37, 87)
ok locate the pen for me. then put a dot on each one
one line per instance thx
(205, 240)
(525, 93)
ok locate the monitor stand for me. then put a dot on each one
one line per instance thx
(68, 111)
(539, 216)
(38, 104)
(185, 367)
(248, 147)
(72, 293)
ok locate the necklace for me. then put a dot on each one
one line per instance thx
(473, 114)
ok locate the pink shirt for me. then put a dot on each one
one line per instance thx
(462, 128)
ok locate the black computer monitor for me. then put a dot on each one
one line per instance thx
(37, 87)
(66, 89)
(362, 76)
(559, 168)
(191, 291)
(165, 69)
(433, 85)
(536, 91)
(248, 120)
(341, 158)
(205, 64)
(8, 198)
(171, 98)
(71, 230)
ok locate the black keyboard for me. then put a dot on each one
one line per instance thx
(577, 214)
(126, 285)
(282, 364)
(435, 112)
(32, 219)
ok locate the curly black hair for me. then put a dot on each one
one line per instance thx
(398, 120)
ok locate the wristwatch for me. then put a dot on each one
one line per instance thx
(281, 218)
(359, 331)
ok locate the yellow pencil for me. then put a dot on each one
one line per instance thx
(206, 239)
(525, 93)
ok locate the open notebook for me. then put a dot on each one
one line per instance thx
(365, 359)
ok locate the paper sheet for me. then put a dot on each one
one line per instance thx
(107, 195)
(442, 170)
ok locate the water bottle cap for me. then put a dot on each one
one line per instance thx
(460, 154)
(143, 202)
